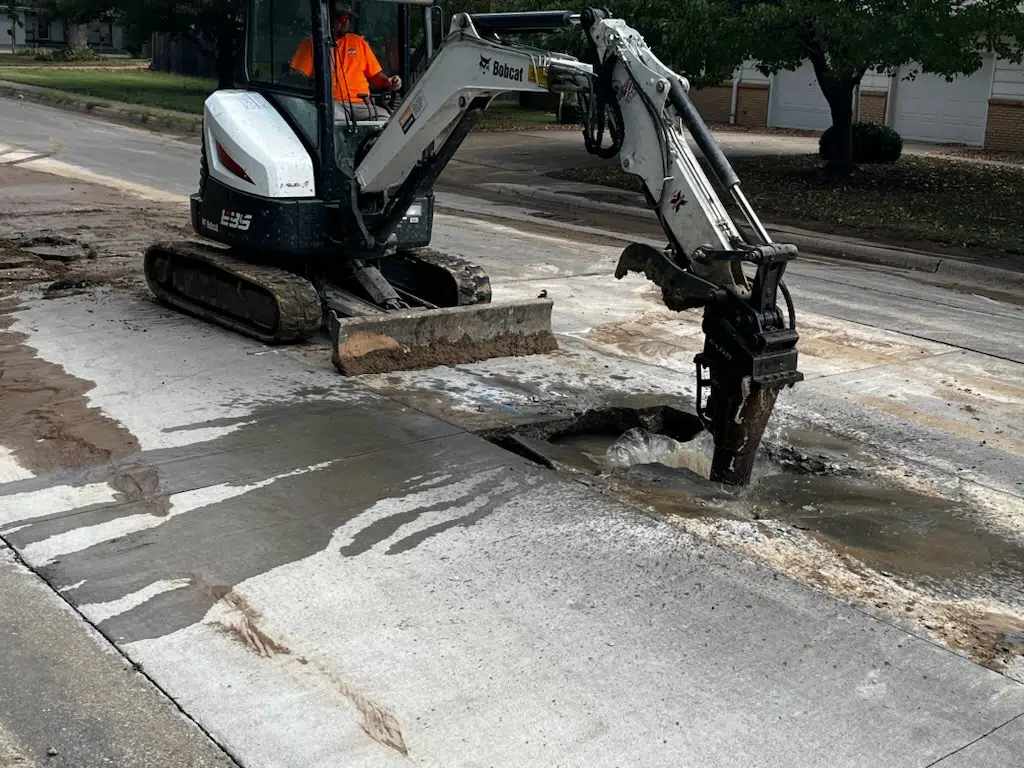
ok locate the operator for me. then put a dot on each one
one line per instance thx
(355, 68)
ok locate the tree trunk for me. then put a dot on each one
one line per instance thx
(840, 102)
(226, 32)
(78, 36)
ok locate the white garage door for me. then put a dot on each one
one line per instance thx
(797, 101)
(5, 33)
(930, 109)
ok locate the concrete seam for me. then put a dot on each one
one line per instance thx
(137, 667)
(975, 741)
(932, 341)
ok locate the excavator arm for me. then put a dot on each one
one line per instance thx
(750, 342)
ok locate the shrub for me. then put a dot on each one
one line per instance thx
(872, 143)
(39, 54)
(571, 112)
(75, 53)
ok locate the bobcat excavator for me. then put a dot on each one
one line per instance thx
(322, 219)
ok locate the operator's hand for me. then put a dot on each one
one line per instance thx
(395, 81)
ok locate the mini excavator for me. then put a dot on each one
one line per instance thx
(320, 219)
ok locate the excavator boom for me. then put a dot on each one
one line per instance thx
(750, 343)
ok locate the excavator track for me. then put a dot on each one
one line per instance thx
(440, 278)
(270, 304)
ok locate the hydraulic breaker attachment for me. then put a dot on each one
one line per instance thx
(423, 338)
(750, 354)
(749, 350)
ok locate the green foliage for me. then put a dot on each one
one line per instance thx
(570, 111)
(696, 38)
(73, 53)
(847, 39)
(72, 12)
(150, 89)
(872, 143)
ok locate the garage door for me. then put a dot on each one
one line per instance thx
(930, 109)
(5, 32)
(797, 101)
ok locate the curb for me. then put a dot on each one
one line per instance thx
(812, 243)
(74, 102)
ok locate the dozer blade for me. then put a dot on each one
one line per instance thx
(415, 339)
(265, 303)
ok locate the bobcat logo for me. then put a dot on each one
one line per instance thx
(484, 63)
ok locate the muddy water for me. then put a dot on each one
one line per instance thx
(890, 528)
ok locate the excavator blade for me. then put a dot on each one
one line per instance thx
(415, 339)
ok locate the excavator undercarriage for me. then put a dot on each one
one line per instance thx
(330, 226)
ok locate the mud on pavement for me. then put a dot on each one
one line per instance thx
(826, 510)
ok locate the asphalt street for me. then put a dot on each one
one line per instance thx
(311, 567)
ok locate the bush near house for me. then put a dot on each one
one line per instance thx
(872, 143)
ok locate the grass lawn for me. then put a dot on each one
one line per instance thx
(152, 89)
(509, 116)
(186, 94)
(916, 201)
(29, 60)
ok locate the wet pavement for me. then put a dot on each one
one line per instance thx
(318, 570)
(311, 566)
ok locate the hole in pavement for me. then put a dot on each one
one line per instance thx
(599, 440)
(826, 485)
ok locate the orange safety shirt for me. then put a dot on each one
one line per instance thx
(354, 65)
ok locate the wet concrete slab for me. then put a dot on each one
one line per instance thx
(216, 536)
(461, 612)
(67, 699)
(561, 627)
(336, 574)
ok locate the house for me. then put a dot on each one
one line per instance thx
(29, 28)
(983, 110)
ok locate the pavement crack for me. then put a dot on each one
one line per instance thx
(378, 722)
(975, 741)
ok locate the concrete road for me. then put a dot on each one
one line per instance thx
(317, 569)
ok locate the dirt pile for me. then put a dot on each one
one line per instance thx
(74, 235)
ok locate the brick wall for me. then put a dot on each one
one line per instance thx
(872, 107)
(713, 103)
(1005, 129)
(752, 105)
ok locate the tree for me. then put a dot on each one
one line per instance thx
(844, 39)
(15, 20)
(693, 37)
(216, 24)
(76, 15)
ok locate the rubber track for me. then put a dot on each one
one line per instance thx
(300, 312)
(473, 284)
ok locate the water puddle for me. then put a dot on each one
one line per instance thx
(818, 483)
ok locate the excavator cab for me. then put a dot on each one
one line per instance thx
(401, 36)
